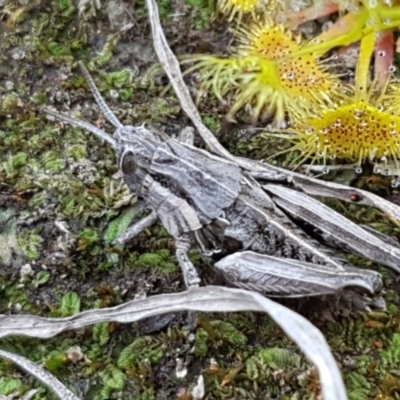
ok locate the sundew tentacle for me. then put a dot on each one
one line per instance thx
(359, 128)
(306, 76)
(358, 131)
(263, 75)
(236, 9)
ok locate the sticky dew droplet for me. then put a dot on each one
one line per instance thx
(358, 114)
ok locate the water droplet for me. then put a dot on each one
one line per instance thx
(386, 172)
(332, 156)
(338, 123)
(393, 132)
(380, 108)
(364, 123)
(320, 154)
(392, 68)
(325, 170)
(358, 170)
(376, 170)
(310, 131)
(290, 75)
(324, 131)
(382, 53)
(373, 3)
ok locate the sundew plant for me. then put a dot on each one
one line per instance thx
(275, 74)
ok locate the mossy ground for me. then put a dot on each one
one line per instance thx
(59, 213)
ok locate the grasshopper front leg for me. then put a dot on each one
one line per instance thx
(179, 219)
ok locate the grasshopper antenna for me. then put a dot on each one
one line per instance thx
(99, 98)
(84, 125)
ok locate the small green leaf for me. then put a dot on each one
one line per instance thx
(126, 94)
(152, 259)
(101, 333)
(90, 236)
(41, 278)
(19, 160)
(114, 378)
(58, 50)
(119, 225)
(144, 347)
(228, 332)
(56, 362)
(201, 347)
(70, 304)
(119, 78)
(8, 386)
(277, 358)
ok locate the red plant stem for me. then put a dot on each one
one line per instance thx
(293, 20)
(384, 56)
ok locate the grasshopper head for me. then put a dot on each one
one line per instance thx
(135, 147)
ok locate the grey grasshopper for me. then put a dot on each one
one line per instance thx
(251, 229)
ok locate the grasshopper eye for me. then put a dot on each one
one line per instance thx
(128, 164)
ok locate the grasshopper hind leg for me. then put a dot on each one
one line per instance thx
(287, 277)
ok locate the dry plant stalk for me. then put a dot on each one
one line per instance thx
(205, 299)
